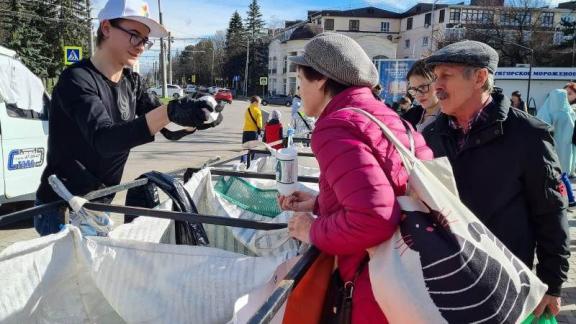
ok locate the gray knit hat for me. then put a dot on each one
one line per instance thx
(340, 58)
(471, 53)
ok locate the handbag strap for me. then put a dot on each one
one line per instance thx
(408, 156)
(349, 285)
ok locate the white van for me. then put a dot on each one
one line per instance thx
(23, 129)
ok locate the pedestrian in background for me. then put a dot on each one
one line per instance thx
(273, 131)
(557, 112)
(302, 124)
(570, 88)
(420, 79)
(517, 102)
(505, 166)
(360, 171)
(252, 121)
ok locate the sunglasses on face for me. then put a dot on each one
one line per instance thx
(423, 89)
(135, 39)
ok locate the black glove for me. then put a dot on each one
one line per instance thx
(212, 124)
(190, 112)
(174, 136)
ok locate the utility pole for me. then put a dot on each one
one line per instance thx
(162, 57)
(169, 58)
(432, 27)
(212, 68)
(90, 33)
(246, 71)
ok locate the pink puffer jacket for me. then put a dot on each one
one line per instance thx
(361, 174)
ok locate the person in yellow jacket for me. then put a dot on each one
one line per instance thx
(252, 120)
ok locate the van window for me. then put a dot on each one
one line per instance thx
(16, 112)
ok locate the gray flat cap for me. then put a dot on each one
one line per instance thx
(340, 58)
(471, 53)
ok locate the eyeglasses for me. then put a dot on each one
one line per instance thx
(135, 39)
(423, 89)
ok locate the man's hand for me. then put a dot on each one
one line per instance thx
(199, 113)
(553, 304)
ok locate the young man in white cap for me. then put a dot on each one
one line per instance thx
(100, 109)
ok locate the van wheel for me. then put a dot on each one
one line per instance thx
(288, 104)
(264, 103)
(176, 96)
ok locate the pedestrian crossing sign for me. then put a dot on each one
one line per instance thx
(72, 54)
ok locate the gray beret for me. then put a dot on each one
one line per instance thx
(340, 58)
(466, 52)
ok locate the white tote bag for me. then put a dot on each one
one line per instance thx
(443, 265)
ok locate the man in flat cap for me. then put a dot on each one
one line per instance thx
(504, 162)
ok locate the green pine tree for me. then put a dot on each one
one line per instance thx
(235, 51)
(254, 21)
(25, 37)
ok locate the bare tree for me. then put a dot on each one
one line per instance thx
(512, 30)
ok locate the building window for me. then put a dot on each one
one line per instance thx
(409, 23)
(319, 22)
(354, 25)
(442, 16)
(292, 86)
(385, 26)
(329, 24)
(285, 67)
(428, 19)
(406, 43)
(425, 41)
(454, 15)
(513, 18)
(477, 16)
(547, 19)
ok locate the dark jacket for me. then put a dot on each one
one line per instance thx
(508, 175)
(413, 115)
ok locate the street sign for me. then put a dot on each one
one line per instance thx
(194, 78)
(72, 54)
(263, 81)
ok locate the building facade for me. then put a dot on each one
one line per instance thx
(376, 30)
(413, 34)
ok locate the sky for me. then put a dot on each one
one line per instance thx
(194, 18)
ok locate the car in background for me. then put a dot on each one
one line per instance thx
(174, 91)
(224, 95)
(190, 89)
(281, 100)
(213, 90)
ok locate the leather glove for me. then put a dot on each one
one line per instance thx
(199, 113)
(174, 136)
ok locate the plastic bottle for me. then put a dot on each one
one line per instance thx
(287, 167)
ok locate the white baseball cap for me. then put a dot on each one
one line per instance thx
(136, 10)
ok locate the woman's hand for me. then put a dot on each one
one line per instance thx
(299, 226)
(298, 201)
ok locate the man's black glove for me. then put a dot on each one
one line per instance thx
(200, 113)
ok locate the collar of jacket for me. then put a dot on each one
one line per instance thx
(351, 97)
(482, 131)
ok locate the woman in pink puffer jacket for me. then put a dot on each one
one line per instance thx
(361, 172)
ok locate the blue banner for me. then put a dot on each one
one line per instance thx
(393, 78)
